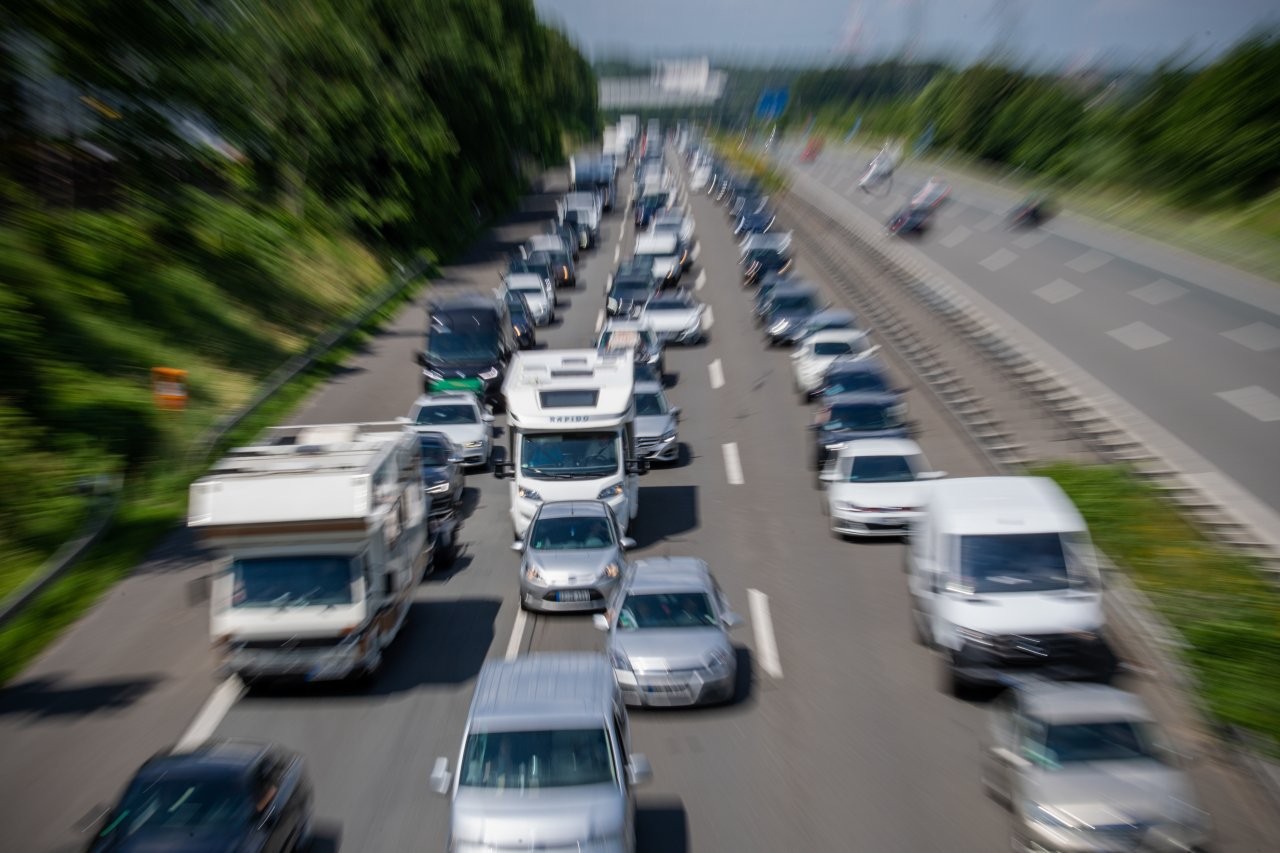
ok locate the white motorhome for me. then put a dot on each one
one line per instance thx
(1002, 576)
(663, 250)
(321, 533)
(571, 431)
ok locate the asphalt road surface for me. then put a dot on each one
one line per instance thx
(840, 739)
(1192, 344)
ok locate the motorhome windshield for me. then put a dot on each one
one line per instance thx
(569, 455)
(1016, 562)
(518, 761)
(291, 581)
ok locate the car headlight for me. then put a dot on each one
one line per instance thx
(473, 444)
(533, 573)
(619, 659)
(718, 660)
(610, 492)
(613, 304)
(438, 488)
(432, 374)
(1045, 816)
(849, 506)
(669, 436)
(612, 570)
(528, 494)
(694, 324)
(491, 373)
(976, 637)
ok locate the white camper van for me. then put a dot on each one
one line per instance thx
(322, 539)
(571, 428)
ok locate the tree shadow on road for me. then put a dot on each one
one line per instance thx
(51, 696)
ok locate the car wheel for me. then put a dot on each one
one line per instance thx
(306, 835)
(952, 683)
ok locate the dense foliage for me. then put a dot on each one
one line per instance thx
(205, 184)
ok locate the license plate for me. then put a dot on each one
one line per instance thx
(457, 385)
(573, 595)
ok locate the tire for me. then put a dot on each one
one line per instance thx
(952, 684)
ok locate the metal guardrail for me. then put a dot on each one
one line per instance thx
(99, 520)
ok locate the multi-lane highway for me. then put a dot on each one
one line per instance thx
(840, 740)
(1191, 344)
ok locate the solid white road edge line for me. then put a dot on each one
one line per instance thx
(517, 634)
(224, 696)
(617, 250)
(600, 321)
(701, 280)
(762, 625)
(732, 464)
(717, 374)
(697, 249)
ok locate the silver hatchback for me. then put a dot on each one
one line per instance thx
(668, 627)
(572, 557)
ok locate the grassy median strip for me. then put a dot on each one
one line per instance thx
(1219, 602)
(746, 161)
(151, 506)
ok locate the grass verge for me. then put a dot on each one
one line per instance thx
(746, 161)
(1219, 602)
(149, 508)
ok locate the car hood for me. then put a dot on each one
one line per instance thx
(815, 364)
(842, 435)
(537, 818)
(459, 434)
(1113, 793)
(566, 567)
(461, 368)
(163, 840)
(1025, 613)
(432, 476)
(670, 321)
(908, 495)
(792, 317)
(670, 649)
(653, 426)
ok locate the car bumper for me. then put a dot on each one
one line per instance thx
(306, 664)
(676, 689)
(872, 523)
(1031, 837)
(569, 598)
(475, 455)
(662, 452)
(1085, 661)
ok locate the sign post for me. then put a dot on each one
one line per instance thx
(169, 388)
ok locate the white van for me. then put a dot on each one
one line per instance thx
(1002, 576)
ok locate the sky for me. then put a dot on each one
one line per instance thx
(1059, 32)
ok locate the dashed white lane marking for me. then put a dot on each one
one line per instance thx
(716, 372)
(1139, 336)
(710, 318)
(1000, 259)
(617, 252)
(697, 249)
(224, 696)
(762, 624)
(1031, 240)
(701, 281)
(956, 237)
(517, 634)
(1158, 292)
(1089, 261)
(1057, 291)
(732, 464)
(600, 321)
(1259, 337)
(1254, 400)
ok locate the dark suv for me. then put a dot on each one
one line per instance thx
(469, 341)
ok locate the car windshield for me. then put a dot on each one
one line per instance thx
(832, 348)
(520, 761)
(434, 454)
(668, 305)
(641, 611)
(531, 288)
(763, 255)
(630, 290)
(650, 403)
(462, 346)
(570, 533)
(1013, 562)
(446, 413)
(862, 416)
(569, 455)
(196, 806)
(291, 581)
(792, 303)
(1053, 746)
(862, 381)
(883, 469)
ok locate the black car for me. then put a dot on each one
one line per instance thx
(785, 312)
(469, 341)
(568, 235)
(910, 220)
(746, 203)
(850, 376)
(1030, 212)
(443, 485)
(222, 795)
(521, 319)
(759, 261)
(587, 236)
(647, 206)
(848, 417)
(627, 293)
(540, 265)
(563, 273)
(768, 284)
(754, 223)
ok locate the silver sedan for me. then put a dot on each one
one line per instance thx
(668, 627)
(572, 557)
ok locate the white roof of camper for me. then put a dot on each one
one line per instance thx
(300, 473)
(532, 374)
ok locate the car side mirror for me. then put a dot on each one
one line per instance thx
(731, 620)
(420, 358)
(797, 353)
(639, 771)
(675, 412)
(487, 417)
(833, 477)
(627, 543)
(441, 777)
(600, 622)
(403, 420)
(518, 546)
(931, 475)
